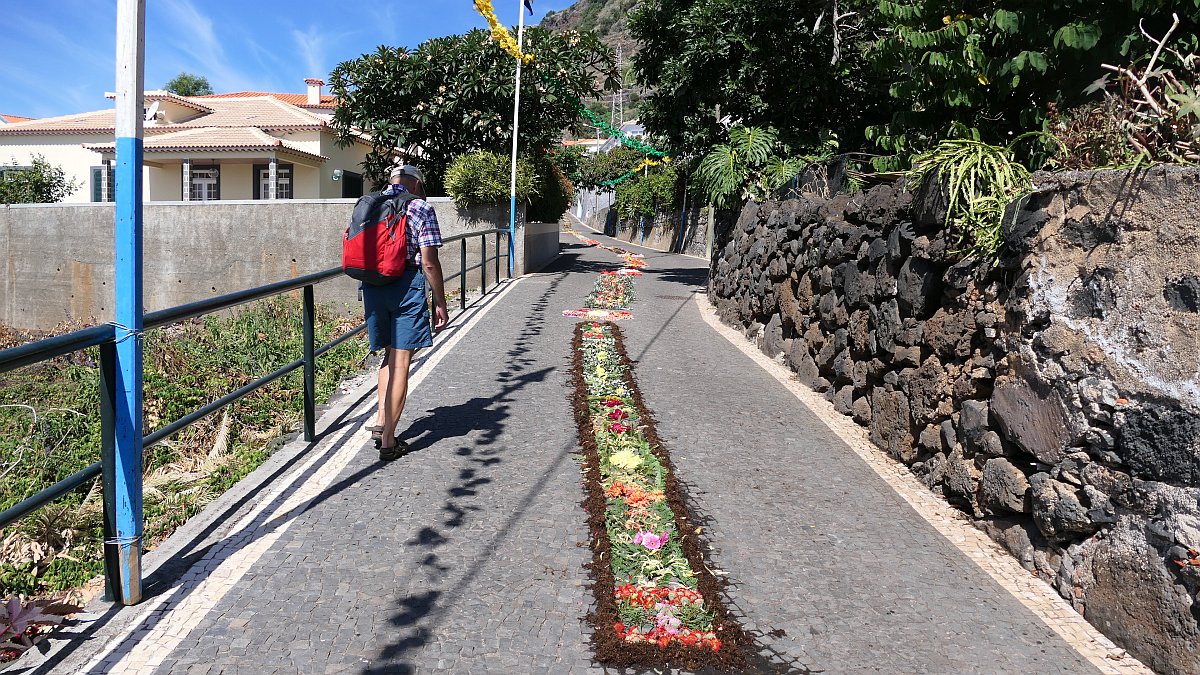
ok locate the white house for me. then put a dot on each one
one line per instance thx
(631, 128)
(244, 145)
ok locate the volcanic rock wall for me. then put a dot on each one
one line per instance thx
(1054, 396)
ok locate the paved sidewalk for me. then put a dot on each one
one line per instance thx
(467, 554)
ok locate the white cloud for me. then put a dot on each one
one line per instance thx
(190, 34)
(311, 43)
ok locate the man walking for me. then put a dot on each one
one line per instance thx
(397, 314)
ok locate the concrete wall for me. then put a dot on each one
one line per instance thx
(56, 260)
(1054, 397)
(597, 210)
(541, 245)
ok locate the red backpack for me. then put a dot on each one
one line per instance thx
(375, 246)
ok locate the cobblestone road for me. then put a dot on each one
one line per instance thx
(467, 554)
(830, 568)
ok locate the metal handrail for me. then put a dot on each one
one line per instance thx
(105, 335)
(60, 345)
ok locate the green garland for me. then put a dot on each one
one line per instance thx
(619, 179)
(596, 121)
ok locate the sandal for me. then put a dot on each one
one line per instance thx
(376, 432)
(395, 452)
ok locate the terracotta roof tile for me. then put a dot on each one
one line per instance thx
(96, 122)
(185, 101)
(12, 119)
(264, 112)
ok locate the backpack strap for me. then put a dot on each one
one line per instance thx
(400, 204)
(403, 200)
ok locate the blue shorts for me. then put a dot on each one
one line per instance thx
(398, 313)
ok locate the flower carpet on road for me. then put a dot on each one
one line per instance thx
(599, 314)
(657, 602)
(614, 290)
(611, 292)
(633, 261)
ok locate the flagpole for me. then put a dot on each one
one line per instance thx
(512, 193)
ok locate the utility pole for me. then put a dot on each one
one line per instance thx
(619, 97)
(122, 472)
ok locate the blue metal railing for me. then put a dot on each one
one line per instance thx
(104, 338)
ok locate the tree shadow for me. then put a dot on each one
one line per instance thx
(486, 416)
(694, 278)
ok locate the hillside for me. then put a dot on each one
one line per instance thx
(606, 17)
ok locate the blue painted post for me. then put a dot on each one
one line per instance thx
(512, 204)
(126, 497)
(682, 220)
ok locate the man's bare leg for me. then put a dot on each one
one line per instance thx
(381, 414)
(393, 391)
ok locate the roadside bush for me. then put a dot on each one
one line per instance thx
(42, 183)
(483, 178)
(607, 166)
(649, 194)
(1092, 135)
(556, 192)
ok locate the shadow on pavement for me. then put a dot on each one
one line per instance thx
(419, 615)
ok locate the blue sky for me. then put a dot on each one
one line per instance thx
(59, 55)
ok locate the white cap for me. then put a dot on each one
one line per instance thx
(407, 170)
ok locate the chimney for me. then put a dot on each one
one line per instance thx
(314, 90)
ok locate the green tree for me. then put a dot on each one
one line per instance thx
(41, 183)
(769, 63)
(453, 95)
(187, 84)
(647, 195)
(606, 166)
(989, 70)
(483, 177)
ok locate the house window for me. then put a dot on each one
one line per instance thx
(352, 184)
(206, 185)
(283, 178)
(98, 187)
(11, 171)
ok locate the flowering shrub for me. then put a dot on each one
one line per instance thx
(657, 598)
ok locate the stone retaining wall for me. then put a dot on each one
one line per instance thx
(1053, 397)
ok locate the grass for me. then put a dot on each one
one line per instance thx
(50, 428)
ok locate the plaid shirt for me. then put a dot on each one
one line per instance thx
(423, 229)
